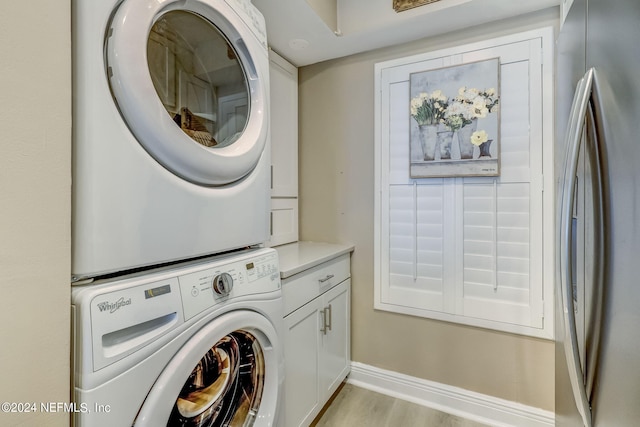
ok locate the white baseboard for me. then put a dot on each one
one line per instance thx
(453, 400)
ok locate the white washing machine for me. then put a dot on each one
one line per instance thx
(192, 345)
(171, 131)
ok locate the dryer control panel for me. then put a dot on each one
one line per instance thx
(252, 16)
(253, 275)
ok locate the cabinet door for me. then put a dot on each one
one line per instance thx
(302, 347)
(284, 127)
(284, 221)
(336, 355)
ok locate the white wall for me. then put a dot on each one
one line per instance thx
(336, 153)
(35, 214)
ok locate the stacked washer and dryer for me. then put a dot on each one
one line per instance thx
(177, 309)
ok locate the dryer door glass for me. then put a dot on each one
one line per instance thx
(198, 77)
(191, 81)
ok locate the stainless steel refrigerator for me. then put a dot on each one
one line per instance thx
(598, 244)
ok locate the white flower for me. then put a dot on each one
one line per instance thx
(481, 113)
(478, 137)
(415, 104)
(479, 103)
(428, 109)
(491, 91)
(438, 95)
(471, 94)
(455, 108)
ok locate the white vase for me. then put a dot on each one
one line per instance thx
(444, 144)
(464, 139)
(428, 140)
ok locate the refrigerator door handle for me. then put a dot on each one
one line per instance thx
(572, 142)
(594, 141)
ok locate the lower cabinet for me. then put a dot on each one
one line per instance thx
(335, 335)
(316, 342)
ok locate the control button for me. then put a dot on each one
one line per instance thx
(222, 284)
(194, 292)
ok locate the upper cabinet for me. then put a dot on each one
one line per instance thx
(284, 127)
(284, 150)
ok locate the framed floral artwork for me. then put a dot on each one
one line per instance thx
(400, 5)
(455, 120)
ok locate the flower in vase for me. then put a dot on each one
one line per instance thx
(457, 115)
(478, 102)
(478, 137)
(480, 109)
(454, 122)
(429, 108)
(438, 95)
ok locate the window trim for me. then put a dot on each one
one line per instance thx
(546, 183)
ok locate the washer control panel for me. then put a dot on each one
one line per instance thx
(222, 284)
(256, 274)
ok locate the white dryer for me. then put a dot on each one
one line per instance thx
(192, 345)
(171, 131)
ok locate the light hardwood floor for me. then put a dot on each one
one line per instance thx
(358, 407)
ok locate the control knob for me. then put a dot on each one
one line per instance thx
(222, 284)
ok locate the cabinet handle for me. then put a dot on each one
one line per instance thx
(328, 326)
(329, 276)
(326, 320)
(323, 329)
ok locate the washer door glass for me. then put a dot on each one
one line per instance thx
(198, 78)
(190, 81)
(227, 374)
(225, 387)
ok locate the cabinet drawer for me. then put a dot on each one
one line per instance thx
(301, 288)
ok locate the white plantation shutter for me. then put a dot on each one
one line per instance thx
(497, 282)
(469, 250)
(416, 245)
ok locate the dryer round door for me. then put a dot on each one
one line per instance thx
(190, 80)
(226, 374)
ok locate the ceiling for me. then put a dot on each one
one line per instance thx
(296, 30)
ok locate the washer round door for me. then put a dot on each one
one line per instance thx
(225, 375)
(190, 79)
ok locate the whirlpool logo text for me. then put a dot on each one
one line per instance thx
(113, 306)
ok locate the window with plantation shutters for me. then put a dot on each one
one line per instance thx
(472, 250)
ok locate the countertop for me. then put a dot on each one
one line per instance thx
(300, 256)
